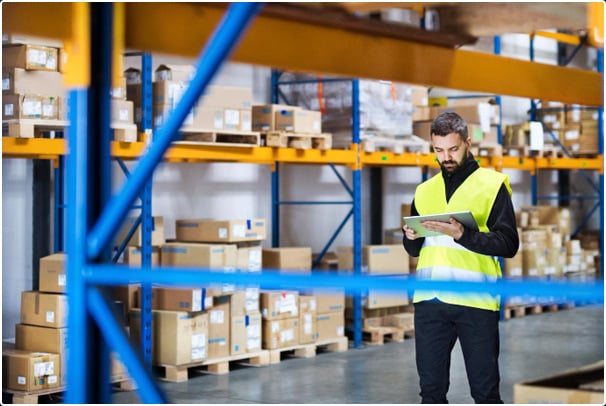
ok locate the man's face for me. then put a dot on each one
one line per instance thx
(450, 150)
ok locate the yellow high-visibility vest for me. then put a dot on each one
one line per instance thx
(441, 258)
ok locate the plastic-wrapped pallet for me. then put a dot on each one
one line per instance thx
(386, 108)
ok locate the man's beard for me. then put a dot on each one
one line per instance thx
(453, 166)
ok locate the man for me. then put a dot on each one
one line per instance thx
(460, 253)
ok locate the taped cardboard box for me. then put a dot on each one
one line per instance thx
(132, 256)
(279, 304)
(122, 111)
(30, 371)
(299, 121)
(197, 254)
(178, 337)
(264, 115)
(584, 385)
(280, 333)
(179, 299)
(30, 57)
(52, 273)
(21, 81)
(376, 259)
(290, 259)
(207, 230)
(43, 339)
(330, 325)
(30, 106)
(44, 309)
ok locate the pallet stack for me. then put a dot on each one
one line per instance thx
(223, 115)
(286, 126)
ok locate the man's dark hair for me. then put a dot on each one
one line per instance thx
(448, 123)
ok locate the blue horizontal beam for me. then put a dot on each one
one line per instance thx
(272, 279)
(314, 202)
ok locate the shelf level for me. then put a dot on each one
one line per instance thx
(44, 148)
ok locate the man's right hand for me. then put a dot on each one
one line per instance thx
(409, 232)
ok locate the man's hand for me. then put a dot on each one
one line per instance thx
(453, 228)
(409, 232)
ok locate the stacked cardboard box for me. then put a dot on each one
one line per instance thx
(225, 108)
(379, 261)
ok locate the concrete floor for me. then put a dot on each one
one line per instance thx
(531, 347)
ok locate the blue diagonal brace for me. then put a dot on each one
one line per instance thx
(221, 44)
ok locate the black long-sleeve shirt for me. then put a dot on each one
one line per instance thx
(502, 240)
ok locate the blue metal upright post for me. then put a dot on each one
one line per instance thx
(600, 68)
(59, 228)
(497, 51)
(357, 212)
(275, 205)
(146, 214)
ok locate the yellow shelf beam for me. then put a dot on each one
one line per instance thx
(313, 47)
(45, 148)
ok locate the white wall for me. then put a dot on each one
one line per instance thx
(16, 239)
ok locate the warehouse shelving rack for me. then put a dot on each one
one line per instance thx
(94, 215)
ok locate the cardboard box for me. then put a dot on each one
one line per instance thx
(294, 259)
(198, 255)
(207, 230)
(253, 331)
(330, 325)
(30, 106)
(122, 111)
(422, 129)
(132, 256)
(280, 333)
(227, 97)
(21, 81)
(209, 118)
(299, 121)
(183, 73)
(238, 335)
(43, 339)
(514, 266)
(376, 259)
(576, 386)
(250, 258)
(377, 299)
(264, 116)
(279, 304)
(30, 371)
(328, 300)
(218, 331)
(178, 337)
(179, 299)
(53, 273)
(157, 232)
(44, 309)
(30, 57)
(308, 328)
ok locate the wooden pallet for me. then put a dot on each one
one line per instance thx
(284, 139)
(30, 128)
(487, 150)
(395, 145)
(217, 366)
(522, 310)
(378, 335)
(337, 344)
(220, 138)
(119, 382)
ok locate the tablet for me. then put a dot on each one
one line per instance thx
(464, 217)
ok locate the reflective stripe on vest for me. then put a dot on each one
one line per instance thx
(441, 258)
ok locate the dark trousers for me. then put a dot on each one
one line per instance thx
(437, 327)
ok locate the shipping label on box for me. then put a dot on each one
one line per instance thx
(250, 258)
(308, 332)
(44, 309)
(280, 333)
(279, 304)
(122, 111)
